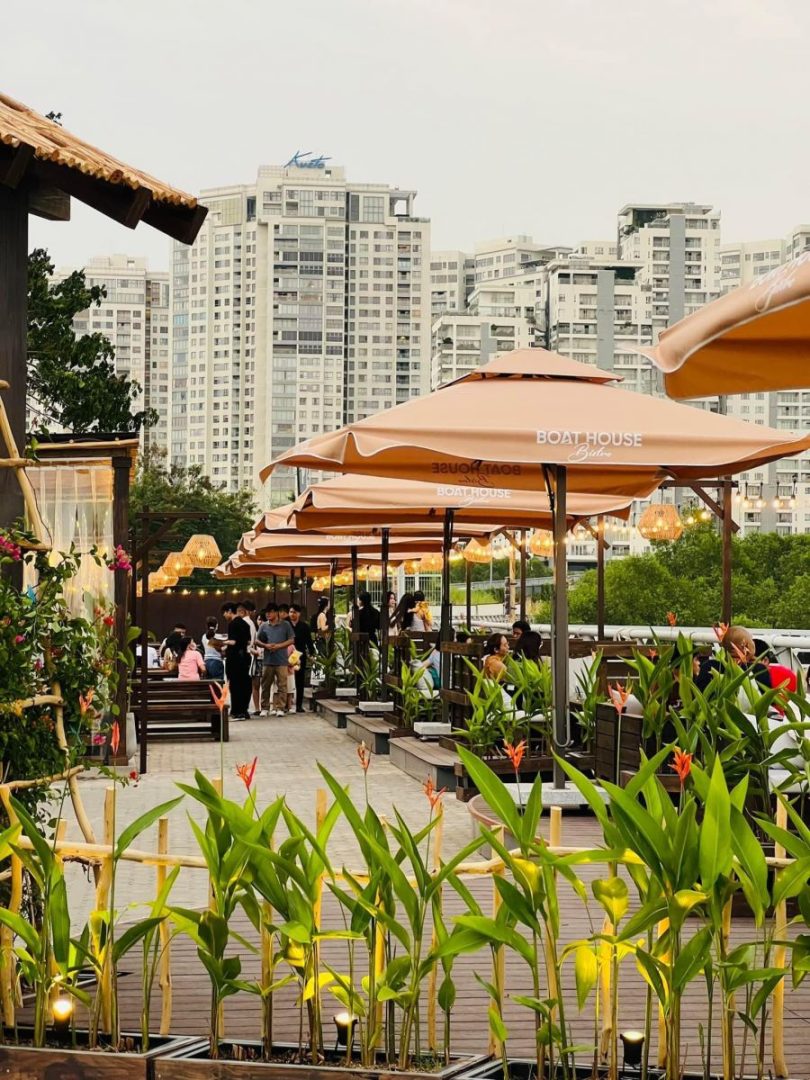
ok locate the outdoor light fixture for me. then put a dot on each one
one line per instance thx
(344, 1023)
(177, 564)
(541, 543)
(374, 573)
(660, 522)
(476, 552)
(411, 566)
(431, 564)
(62, 1011)
(633, 1043)
(203, 551)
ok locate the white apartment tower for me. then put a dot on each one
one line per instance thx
(452, 277)
(304, 304)
(678, 247)
(135, 317)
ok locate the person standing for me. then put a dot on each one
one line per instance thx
(305, 647)
(237, 659)
(275, 638)
(368, 618)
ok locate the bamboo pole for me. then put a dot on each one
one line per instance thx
(7, 965)
(165, 977)
(434, 941)
(217, 784)
(555, 837)
(499, 957)
(103, 902)
(606, 984)
(61, 829)
(29, 497)
(780, 1067)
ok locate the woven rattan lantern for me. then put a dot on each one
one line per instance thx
(362, 573)
(203, 551)
(319, 584)
(431, 564)
(343, 578)
(411, 566)
(178, 564)
(541, 543)
(660, 521)
(374, 573)
(158, 581)
(475, 552)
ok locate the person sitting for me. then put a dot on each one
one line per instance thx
(190, 664)
(496, 650)
(403, 616)
(739, 645)
(781, 677)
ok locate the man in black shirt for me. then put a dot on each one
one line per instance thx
(237, 659)
(306, 647)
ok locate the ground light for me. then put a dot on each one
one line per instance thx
(633, 1043)
(344, 1023)
(62, 1010)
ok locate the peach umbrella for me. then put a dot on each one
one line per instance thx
(500, 425)
(753, 339)
(532, 416)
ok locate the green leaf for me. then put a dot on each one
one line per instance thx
(586, 972)
(715, 831)
(134, 830)
(133, 934)
(692, 958)
(22, 928)
(496, 1025)
(612, 894)
(493, 790)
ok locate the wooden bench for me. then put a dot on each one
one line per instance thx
(371, 730)
(179, 708)
(335, 711)
(423, 760)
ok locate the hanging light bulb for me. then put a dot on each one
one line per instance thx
(661, 522)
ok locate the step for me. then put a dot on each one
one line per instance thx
(376, 708)
(335, 711)
(369, 730)
(424, 761)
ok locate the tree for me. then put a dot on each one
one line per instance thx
(159, 487)
(792, 610)
(72, 382)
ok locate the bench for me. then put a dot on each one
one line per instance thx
(334, 711)
(424, 761)
(371, 730)
(179, 708)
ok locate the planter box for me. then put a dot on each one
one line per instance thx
(65, 1063)
(192, 1063)
(526, 1069)
(531, 765)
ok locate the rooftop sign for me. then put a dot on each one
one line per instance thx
(302, 159)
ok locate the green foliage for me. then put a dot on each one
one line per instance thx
(163, 488)
(770, 582)
(72, 380)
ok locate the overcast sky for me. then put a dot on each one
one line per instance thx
(533, 116)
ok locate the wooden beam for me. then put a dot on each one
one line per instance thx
(14, 164)
(49, 203)
(716, 507)
(13, 338)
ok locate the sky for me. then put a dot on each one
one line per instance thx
(540, 117)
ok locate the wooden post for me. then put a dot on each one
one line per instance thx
(468, 592)
(144, 702)
(780, 1067)
(434, 971)
(13, 336)
(499, 960)
(726, 529)
(385, 615)
(121, 470)
(165, 976)
(600, 578)
(607, 1042)
(446, 621)
(355, 619)
(559, 629)
(523, 562)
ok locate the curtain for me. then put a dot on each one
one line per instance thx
(75, 499)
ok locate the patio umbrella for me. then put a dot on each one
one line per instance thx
(753, 339)
(532, 418)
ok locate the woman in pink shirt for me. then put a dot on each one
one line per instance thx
(190, 664)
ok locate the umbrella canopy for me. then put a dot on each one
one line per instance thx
(247, 565)
(353, 501)
(497, 427)
(753, 339)
(291, 548)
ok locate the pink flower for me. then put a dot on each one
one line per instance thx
(19, 639)
(121, 559)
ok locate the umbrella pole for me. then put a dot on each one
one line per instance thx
(385, 618)
(355, 623)
(292, 586)
(600, 578)
(726, 526)
(275, 589)
(446, 624)
(559, 634)
(468, 589)
(523, 561)
(332, 572)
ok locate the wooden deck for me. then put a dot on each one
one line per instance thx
(469, 1024)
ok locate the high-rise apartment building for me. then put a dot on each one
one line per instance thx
(134, 316)
(452, 277)
(304, 304)
(595, 309)
(678, 248)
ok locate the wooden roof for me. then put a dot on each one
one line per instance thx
(39, 154)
